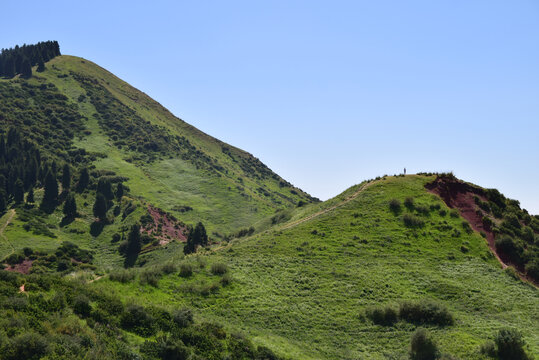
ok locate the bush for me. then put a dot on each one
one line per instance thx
(532, 269)
(422, 346)
(488, 349)
(219, 269)
(135, 318)
(454, 213)
(169, 268)
(81, 306)
(186, 270)
(150, 277)
(27, 346)
(182, 318)
(409, 202)
(386, 316)
(122, 276)
(426, 312)
(226, 279)
(466, 226)
(412, 221)
(422, 209)
(395, 206)
(510, 345)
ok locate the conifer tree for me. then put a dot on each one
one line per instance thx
(26, 68)
(66, 177)
(100, 207)
(84, 180)
(40, 65)
(18, 192)
(134, 244)
(104, 187)
(197, 237)
(51, 192)
(30, 196)
(119, 191)
(70, 207)
(3, 202)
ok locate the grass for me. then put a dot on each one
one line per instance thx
(305, 294)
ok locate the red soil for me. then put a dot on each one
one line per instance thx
(460, 195)
(23, 268)
(171, 229)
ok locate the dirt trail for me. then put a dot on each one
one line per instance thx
(10, 217)
(331, 208)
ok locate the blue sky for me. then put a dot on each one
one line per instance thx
(329, 93)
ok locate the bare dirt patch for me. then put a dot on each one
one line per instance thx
(165, 227)
(22, 268)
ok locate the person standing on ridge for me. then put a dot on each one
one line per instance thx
(404, 171)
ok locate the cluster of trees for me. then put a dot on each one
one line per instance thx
(20, 59)
(197, 237)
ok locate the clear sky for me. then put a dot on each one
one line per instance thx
(327, 93)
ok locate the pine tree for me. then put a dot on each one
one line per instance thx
(119, 191)
(70, 207)
(134, 244)
(51, 192)
(66, 177)
(100, 207)
(30, 196)
(18, 192)
(197, 237)
(40, 65)
(104, 187)
(26, 68)
(3, 202)
(84, 180)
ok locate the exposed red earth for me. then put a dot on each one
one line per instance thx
(460, 195)
(22, 268)
(164, 227)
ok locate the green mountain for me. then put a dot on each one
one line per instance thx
(419, 266)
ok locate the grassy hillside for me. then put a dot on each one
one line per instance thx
(305, 291)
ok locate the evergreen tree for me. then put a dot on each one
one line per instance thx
(3, 202)
(134, 243)
(26, 68)
(70, 207)
(105, 187)
(30, 196)
(84, 180)
(197, 237)
(40, 65)
(119, 191)
(66, 177)
(18, 192)
(100, 207)
(51, 192)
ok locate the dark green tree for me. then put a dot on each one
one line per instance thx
(119, 191)
(26, 68)
(66, 177)
(197, 237)
(105, 187)
(30, 196)
(133, 246)
(3, 202)
(18, 191)
(100, 207)
(70, 207)
(84, 180)
(51, 192)
(40, 66)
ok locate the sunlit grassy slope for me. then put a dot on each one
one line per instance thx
(304, 294)
(231, 199)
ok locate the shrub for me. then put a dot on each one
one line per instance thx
(510, 345)
(409, 202)
(488, 349)
(532, 269)
(182, 318)
(28, 346)
(122, 276)
(422, 346)
(150, 277)
(422, 209)
(442, 212)
(81, 306)
(507, 245)
(466, 226)
(395, 206)
(454, 213)
(425, 312)
(511, 272)
(226, 279)
(219, 269)
(169, 268)
(412, 221)
(386, 316)
(135, 318)
(186, 270)
(464, 249)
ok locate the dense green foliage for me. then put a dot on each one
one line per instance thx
(19, 60)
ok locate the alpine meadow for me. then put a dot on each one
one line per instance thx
(127, 233)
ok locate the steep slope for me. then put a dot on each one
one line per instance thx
(307, 290)
(76, 113)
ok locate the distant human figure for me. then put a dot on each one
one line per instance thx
(404, 171)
